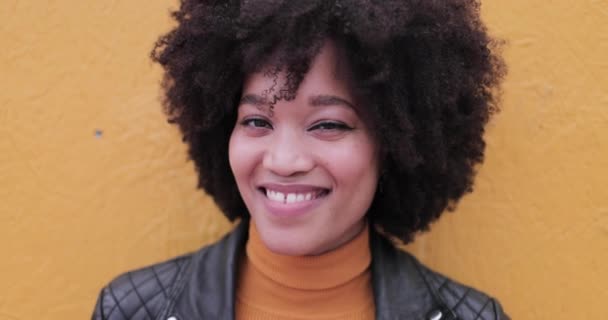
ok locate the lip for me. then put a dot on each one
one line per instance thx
(283, 210)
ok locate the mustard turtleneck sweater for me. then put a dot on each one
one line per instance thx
(334, 285)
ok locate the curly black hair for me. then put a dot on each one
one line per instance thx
(428, 72)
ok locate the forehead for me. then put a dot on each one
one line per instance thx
(328, 74)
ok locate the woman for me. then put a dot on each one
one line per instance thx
(325, 127)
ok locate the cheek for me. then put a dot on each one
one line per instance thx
(353, 166)
(239, 156)
(356, 178)
(231, 155)
(245, 156)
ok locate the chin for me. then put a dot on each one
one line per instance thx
(290, 246)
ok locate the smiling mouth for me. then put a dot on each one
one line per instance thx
(294, 197)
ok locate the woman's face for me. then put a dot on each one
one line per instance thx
(308, 170)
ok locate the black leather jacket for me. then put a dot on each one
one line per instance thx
(201, 286)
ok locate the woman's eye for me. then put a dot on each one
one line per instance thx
(330, 125)
(256, 123)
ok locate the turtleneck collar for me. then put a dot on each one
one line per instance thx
(324, 271)
(333, 285)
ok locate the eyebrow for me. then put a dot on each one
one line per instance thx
(254, 99)
(315, 101)
(329, 100)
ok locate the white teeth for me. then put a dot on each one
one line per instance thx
(275, 196)
(290, 197)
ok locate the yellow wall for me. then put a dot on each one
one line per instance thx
(76, 209)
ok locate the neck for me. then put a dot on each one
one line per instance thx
(335, 282)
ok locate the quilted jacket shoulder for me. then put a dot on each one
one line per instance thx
(460, 301)
(141, 293)
(405, 288)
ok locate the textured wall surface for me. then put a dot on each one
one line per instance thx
(94, 182)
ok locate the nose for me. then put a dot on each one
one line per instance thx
(288, 155)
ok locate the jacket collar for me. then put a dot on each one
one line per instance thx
(399, 290)
(208, 290)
